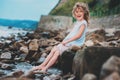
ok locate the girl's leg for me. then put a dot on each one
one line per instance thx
(52, 61)
(54, 49)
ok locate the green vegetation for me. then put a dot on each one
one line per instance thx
(97, 7)
(110, 8)
(66, 8)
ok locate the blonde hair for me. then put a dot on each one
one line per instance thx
(85, 8)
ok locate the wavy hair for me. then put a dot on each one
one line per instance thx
(84, 6)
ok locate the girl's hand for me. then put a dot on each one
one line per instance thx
(64, 42)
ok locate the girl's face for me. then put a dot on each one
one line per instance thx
(79, 13)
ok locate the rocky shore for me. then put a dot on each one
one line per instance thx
(97, 59)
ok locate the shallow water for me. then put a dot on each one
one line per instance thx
(25, 67)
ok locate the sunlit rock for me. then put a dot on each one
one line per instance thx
(24, 49)
(34, 45)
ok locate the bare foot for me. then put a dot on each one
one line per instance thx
(38, 67)
(44, 70)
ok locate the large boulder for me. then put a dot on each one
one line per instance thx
(65, 61)
(89, 76)
(110, 68)
(91, 59)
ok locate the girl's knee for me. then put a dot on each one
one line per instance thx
(57, 53)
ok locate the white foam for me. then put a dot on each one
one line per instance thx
(6, 32)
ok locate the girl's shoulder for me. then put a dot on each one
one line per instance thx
(81, 22)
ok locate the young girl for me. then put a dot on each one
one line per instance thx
(75, 38)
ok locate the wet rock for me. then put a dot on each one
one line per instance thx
(90, 60)
(8, 41)
(89, 76)
(37, 55)
(117, 34)
(25, 38)
(10, 27)
(1, 45)
(55, 71)
(68, 77)
(52, 74)
(29, 74)
(30, 35)
(19, 44)
(2, 73)
(7, 61)
(36, 36)
(44, 43)
(110, 66)
(32, 56)
(8, 78)
(39, 59)
(33, 35)
(24, 78)
(42, 58)
(6, 55)
(12, 36)
(66, 60)
(46, 78)
(5, 46)
(71, 77)
(12, 48)
(22, 57)
(112, 76)
(16, 73)
(45, 35)
(7, 66)
(54, 77)
(24, 66)
(34, 45)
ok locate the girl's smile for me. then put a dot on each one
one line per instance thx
(79, 13)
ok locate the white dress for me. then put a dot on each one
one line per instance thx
(78, 42)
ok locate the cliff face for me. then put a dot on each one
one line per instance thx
(61, 2)
(55, 23)
(105, 22)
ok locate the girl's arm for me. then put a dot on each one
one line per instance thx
(77, 36)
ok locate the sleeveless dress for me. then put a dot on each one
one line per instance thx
(79, 42)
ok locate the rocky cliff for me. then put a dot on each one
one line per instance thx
(53, 23)
(105, 22)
